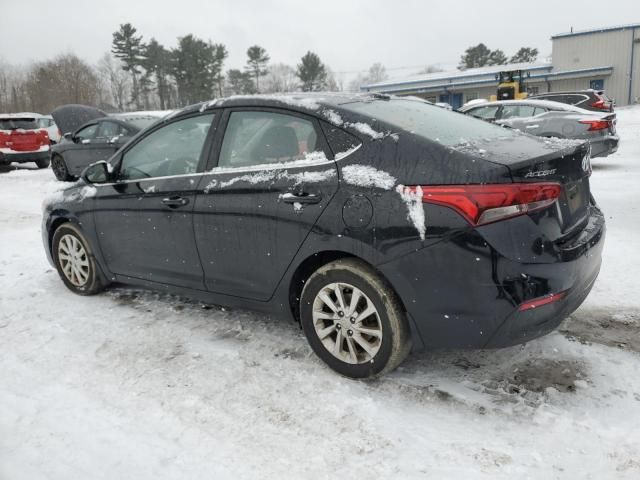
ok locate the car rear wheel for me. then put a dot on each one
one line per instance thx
(75, 262)
(44, 163)
(353, 320)
(59, 168)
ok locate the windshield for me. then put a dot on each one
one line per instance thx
(431, 122)
(16, 123)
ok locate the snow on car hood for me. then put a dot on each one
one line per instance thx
(70, 117)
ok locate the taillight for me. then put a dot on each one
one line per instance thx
(596, 124)
(482, 204)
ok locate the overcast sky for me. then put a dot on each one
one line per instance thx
(349, 35)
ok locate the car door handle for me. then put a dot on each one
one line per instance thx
(175, 202)
(533, 126)
(305, 198)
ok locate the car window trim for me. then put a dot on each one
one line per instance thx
(206, 147)
(214, 158)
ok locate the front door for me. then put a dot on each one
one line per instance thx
(143, 220)
(256, 207)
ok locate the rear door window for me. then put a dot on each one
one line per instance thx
(517, 111)
(108, 130)
(486, 113)
(258, 138)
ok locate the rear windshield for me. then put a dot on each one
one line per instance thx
(16, 123)
(428, 121)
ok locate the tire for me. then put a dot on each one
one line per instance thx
(361, 355)
(44, 163)
(60, 169)
(87, 278)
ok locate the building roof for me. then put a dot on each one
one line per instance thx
(478, 77)
(469, 74)
(596, 30)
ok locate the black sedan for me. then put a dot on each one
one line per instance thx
(378, 223)
(91, 136)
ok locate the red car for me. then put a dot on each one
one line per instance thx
(22, 140)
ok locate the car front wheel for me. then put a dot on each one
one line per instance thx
(353, 320)
(74, 261)
(60, 169)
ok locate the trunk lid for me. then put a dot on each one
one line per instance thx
(569, 164)
(69, 118)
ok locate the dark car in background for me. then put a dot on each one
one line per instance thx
(91, 135)
(552, 119)
(378, 223)
(594, 100)
(23, 140)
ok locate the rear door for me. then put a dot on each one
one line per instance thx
(271, 180)
(144, 220)
(526, 118)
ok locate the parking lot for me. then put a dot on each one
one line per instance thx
(134, 384)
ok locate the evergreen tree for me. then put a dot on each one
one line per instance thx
(240, 82)
(129, 48)
(475, 57)
(312, 73)
(157, 62)
(257, 63)
(497, 57)
(525, 55)
(196, 66)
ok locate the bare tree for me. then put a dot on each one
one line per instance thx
(280, 77)
(65, 79)
(116, 79)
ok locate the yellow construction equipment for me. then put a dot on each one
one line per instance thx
(511, 85)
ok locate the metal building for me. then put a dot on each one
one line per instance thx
(603, 59)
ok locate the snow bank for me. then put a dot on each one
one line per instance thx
(412, 197)
(367, 176)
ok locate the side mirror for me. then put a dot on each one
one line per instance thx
(96, 173)
(68, 136)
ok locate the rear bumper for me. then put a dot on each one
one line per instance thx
(22, 157)
(604, 146)
(462, 293)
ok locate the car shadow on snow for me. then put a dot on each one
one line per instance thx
(4, 168)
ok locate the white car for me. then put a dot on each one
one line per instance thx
(46, 122)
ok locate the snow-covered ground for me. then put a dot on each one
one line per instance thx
(132, 384)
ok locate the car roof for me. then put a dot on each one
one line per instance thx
(568, 92)
(22, 116)
(549, 104)
(301, 101)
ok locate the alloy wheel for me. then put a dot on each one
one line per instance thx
(347, 323)
(73, 260)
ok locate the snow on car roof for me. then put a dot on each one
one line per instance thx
(23, 115)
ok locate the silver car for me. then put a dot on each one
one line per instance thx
(552, 119)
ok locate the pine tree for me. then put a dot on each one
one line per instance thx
(257, 63)
(525, 55)
(196, 66)
(311, 72)
(240, 82)
(497, 57)
(129, 48)
(157, 62)
(475, 57)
